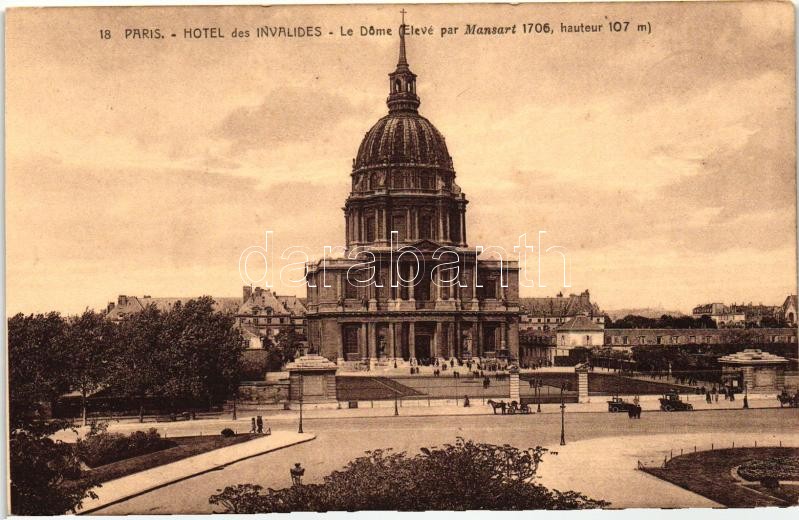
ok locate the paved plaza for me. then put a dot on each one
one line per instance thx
(340, 440)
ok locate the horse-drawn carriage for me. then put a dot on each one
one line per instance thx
(511, 408)
(787, 399)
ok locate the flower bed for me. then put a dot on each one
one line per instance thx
(779, 468)
(103, 448)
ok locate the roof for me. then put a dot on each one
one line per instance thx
(403, 139)
(263, 301)
(752, 356)
(789, 301)
(580, 323)
(559, 306)
(294, 304)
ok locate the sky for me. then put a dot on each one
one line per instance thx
(664, 163)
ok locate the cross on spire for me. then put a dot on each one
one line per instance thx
(402, 59)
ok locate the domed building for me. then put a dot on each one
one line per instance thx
(409, 290)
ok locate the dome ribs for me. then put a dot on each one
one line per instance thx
(403, 138)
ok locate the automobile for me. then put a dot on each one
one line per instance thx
(617, 404)
(671, 402)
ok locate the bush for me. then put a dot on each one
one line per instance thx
(104, 448)
(227, 432)
(463, 476)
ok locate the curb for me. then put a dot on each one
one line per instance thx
(187, 477)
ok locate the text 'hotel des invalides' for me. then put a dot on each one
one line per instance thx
(403, 181)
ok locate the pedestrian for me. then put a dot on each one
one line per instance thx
(732, 395)
(466, 401)
(260, 423)
(636, 400)
(452, 362)
(708, 398)
(638, 411)
(252, 426)
(716, 396)
(296, 474)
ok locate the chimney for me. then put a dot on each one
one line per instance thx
(246, 293)
(110, 307)
(122, 300)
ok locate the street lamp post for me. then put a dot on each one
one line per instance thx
(538, 384)
(746, 395)
(396, 399)
(562, 415)
(300, 428)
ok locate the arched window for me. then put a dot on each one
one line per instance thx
(397, 86)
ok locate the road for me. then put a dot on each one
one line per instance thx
(341, 440)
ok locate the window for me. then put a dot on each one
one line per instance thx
(398, 225)
(660, 340)
(370, 229)
(350, 289)
(642, 340)
(625, 340)
(692, 339)
(588, 339)
(425, 227)
(675, 340)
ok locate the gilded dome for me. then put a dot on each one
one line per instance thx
(403, 138)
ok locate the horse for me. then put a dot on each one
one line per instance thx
(501, 405)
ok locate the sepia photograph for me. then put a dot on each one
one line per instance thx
(401, 257)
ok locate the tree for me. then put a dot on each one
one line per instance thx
(284, 348)
(36, 359)
(461, 476)
(45, 474)
(139, 368)
(90, 345)
(203, 352)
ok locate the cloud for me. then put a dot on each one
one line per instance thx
(287, 114)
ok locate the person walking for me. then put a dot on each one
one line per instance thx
(252, 426)
(296, 474)
(260, 423)
(708, 398)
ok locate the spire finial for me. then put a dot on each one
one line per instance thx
(402, 59)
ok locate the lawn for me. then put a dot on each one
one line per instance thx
(186, 447)
(610, 384)
(709, 473)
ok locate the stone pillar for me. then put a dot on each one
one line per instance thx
(438, 340)
(362, 345)
(372, 343)
(437, 284)
(503, 334)
(463, 227)
(451, 340)
(514, 384)
(411, 283)
(412, 342)
(340, 344)
(392, 337)
(478, 341)
(582, 383)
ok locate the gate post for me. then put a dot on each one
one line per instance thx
(582, 383)
(514, 383)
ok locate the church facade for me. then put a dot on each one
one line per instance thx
(408, 289)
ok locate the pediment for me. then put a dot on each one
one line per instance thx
(427, 246)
